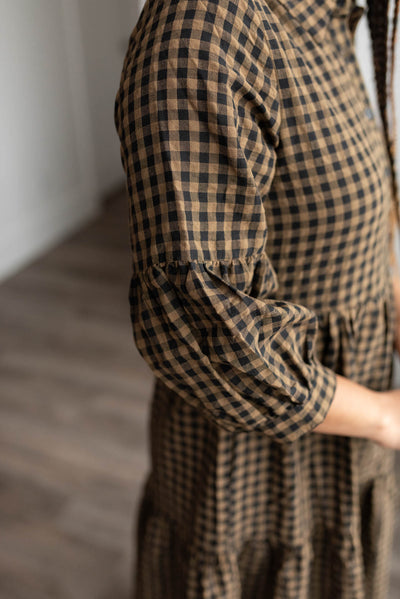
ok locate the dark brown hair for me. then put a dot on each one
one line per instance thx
(383, 58)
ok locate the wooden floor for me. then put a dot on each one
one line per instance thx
(74, 399)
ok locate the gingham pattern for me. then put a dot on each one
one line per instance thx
(259, 198)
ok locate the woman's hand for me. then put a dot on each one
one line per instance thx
(396, 289)
(357, 411)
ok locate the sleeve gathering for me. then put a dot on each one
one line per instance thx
(198, 145)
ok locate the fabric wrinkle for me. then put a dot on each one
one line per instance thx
(259, 198)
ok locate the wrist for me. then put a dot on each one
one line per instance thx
(377, 423)
(382, 429)
(357, 411)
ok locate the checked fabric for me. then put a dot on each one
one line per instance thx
(259, 197)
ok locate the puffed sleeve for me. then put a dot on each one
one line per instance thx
(198, 145)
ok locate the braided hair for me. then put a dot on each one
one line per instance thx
(383, 60)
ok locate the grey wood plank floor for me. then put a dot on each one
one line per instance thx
(74, 410)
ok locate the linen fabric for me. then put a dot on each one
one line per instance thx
(259, 197)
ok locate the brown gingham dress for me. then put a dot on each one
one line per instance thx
(259, 197)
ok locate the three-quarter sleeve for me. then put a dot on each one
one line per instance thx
(198, 145)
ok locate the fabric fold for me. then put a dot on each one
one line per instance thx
(246, 360)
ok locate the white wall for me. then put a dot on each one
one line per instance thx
(46, 164)
(106, 25)
(60, 62)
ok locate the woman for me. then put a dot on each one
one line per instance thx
(260, 194)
